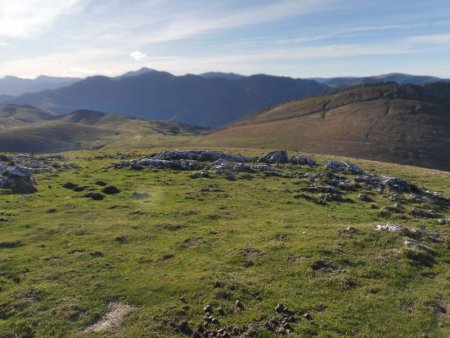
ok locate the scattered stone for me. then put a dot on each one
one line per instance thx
(307, 316)
(278, 156)
(252, 252)
(409, 243)
(351, 230)
(199, 155)
(208, 309)
(111, 190)
(392, 209)
(221, 311)
(343, 166)
(398, 185)
(183, 326)
(70, 185)
(280, 308)
(239, 304)
(200, 174)
(140, 195)
(365, 198)
(166, 164)
(417, 212)
(101, 183)
(302, 160)
(95, 196)
(321, 265)
(444, 220)
(390, 227)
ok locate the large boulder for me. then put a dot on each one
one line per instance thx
(223, 165)
(398, 185)
(302, 160)
(17, 179)
(343, 166)
(199, 155)
(166, 164)
(277, 156)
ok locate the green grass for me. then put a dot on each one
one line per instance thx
(60, 270)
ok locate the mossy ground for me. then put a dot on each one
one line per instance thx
(181, 248)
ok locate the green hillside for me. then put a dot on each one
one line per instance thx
(163, 245)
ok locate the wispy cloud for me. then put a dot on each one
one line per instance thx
(430, 39)
(91, 36)
(24, 18)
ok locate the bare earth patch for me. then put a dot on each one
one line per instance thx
(111, 319)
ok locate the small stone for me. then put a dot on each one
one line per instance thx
(364, 198)
(409, 243)
(221, 311)
(111, 190)
(70, 185)
(351, 230)
(95, 196)
(239, 304)
(207, 309)
(183, 326)
(279, 308)
(201, 328)
(417, 212)
(307, 316)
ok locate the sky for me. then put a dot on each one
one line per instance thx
(297, 38)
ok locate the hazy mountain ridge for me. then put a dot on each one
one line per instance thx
(188, 99)
(14, 86)
(400, 78)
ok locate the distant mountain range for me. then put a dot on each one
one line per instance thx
(406, 124)
(198, 100)
(340, 82)
(210, 99)
(14, 86)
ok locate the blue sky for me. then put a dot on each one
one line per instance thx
(298, 38)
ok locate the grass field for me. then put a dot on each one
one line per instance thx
(183, 243)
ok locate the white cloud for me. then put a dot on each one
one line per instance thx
(25, 18)
(137, 55)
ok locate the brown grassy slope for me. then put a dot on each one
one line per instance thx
(29, 129)
(20, 116)
(391, 123)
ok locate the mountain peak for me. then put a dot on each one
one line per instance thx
(141, 71)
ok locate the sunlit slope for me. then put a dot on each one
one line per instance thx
(392, 123)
